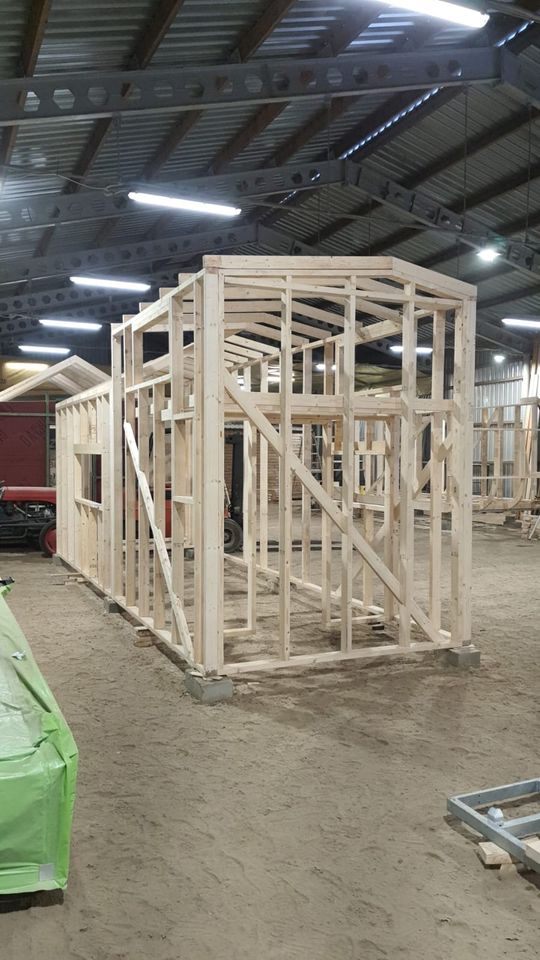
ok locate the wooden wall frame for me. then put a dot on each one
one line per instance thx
(246, 336)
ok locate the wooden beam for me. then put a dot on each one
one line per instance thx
(34, 33)
(153, 33)
(254, 37)
(145, 49)
(261, 119)
(31, 45)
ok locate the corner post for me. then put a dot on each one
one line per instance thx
(212, 478)
(461, 487)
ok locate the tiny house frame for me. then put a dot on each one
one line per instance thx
(270, 343)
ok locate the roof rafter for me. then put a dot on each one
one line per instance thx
(33, 37)
(522, 293)
(502, 186)
(31, 45)
(498, 27)
(337, 42)
(146, 46)
(154, 32)
(264, 26)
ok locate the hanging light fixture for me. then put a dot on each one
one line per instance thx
(182, 203)
(31, 348)
(441, 10)
(488, 254)
(421, 351)
(72, 324)
(109, 284)
(527, 323)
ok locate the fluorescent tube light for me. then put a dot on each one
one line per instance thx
(452, 12)
(488, 254)
(181, 203)
(526, 322)
(422, 351)
(72, 324)
(499, 357)
(110, 284)
(59, 351)
(26, 365)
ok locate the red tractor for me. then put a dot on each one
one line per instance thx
(28, 515)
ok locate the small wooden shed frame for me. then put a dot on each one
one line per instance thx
(247, 338)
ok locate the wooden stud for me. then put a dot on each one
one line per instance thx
(243, 315)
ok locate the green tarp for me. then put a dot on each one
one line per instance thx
(38, 770)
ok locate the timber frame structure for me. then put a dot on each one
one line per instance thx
(245, 336)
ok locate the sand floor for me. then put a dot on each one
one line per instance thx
(303, 820)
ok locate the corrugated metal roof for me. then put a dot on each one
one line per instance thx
(91, 36)
(212, 131)
(207, 31)
(44, 156)
(100, 36)
(14, 16)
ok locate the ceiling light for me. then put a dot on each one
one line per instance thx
(60, 351)
(421, 351)
(452, 12)
(499, 357)
(110, 284)
(25, 365)
(72, 324)
(321, 366)
(526, 322)
(488, 254)
(180, 203)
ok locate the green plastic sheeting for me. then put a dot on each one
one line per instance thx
(38, 770)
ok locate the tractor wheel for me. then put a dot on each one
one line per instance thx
(47, 539)
(233, 535)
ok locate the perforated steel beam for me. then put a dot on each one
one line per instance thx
(416, 204)
(47, 210)
(22, 312)
(78, 96)
(125, 255)
(79, 301)
(76, 299)
(521, 75)
(424, 209)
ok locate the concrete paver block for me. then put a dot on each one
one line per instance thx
(208, 689)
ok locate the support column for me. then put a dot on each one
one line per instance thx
(437, 469)
(347, 375)
(407, 467)
(116, 481)
(285, 476)
(212, 479)
(462, 453)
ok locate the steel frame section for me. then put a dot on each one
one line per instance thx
(414, 203)
(124, 255)
(522, 76)
(175, 247)
(424, 209)
(219, 322)
(48, 210)
(508, 834)
(77, 96)
(71, 299)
